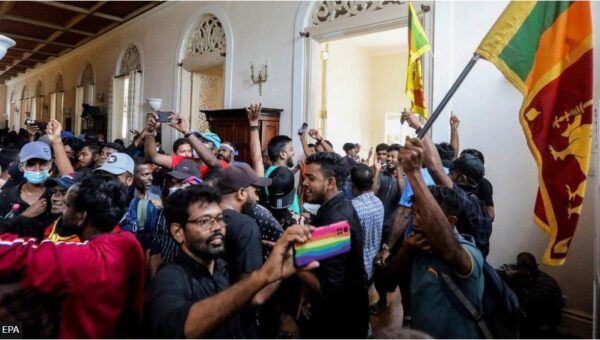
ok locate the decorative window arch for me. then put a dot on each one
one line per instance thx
(328, 11)
(59, 86)
(87, 77)
(131, 60)
(206, 36)
(39, 88)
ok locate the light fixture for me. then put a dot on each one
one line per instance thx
(154, 103)
(5, 44)
(260, 78)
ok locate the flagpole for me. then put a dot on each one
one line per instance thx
(448, 96)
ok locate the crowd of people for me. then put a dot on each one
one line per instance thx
(102, 240)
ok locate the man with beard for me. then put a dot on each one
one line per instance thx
(337, 291)
(281, 153)
(193, 297)
(244, 252)
(243, 245)
(88, 156)
(101, 281)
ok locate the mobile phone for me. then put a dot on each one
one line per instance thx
(163, 116)
(303, 129)
(325, 242)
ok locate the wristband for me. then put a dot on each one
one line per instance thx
(188, 134)
(253, 127)
(417, 130)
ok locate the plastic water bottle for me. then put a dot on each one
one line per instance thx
(13, 212)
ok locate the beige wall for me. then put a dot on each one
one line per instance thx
(348, 94)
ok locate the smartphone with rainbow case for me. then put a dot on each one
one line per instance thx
(325, 242)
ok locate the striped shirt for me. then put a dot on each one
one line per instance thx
(370, 212)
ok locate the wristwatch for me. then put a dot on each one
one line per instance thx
(188, 134)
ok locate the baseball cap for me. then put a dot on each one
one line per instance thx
(117, 163)
(209, 136)
(185, 169)
(237, 177)
(64, 182)
(281, 190)
(470, 166)
(35, 150)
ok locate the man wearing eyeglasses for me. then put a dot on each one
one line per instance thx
(193, 297)
(30, 198)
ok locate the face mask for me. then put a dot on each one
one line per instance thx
(35, 177)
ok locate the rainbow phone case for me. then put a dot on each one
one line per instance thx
(325, 242)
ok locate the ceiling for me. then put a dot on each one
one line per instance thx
(45, 30)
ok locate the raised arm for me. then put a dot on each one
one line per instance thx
(376, 171)
(432, 221)
(207, 315)
(63, 164)
(181, 125)
(314, 133)
(150, 144)
(454, 123)
(255, 147)
(307, 151)
(431, 155)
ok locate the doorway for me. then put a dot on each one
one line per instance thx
(206, 88)
(362, 83)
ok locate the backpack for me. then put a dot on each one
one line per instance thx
(498, 314)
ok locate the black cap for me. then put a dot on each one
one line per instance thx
(185, 169)
(281, 191)
(470, 166)
(237, 177)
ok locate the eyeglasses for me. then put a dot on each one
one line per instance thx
(205, 222)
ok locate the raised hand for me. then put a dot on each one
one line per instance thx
(315, 134)
(411, 118)
(54, 130)
(254, 113)
(177, 122)
(151, 124)
(411, 156)
(454, 121)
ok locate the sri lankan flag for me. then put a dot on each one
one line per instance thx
(417, 45)
(545, 50)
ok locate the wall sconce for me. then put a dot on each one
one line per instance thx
(154, 103)
(260, 78)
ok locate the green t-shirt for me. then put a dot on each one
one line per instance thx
(295, 205)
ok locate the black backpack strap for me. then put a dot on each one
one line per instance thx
(465, 302)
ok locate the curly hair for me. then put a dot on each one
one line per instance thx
(178, 203)
(447, 199)
(179, 142)
(332, 165)
(103, 198)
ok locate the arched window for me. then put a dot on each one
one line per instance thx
(85, 93)
(206, 36)
(57, 99)
(126, 94)
(203, 70)
(38, 110)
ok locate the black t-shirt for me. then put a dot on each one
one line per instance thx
(342, 311)
(270, 229)
(389, 195)
(243, 249)
(485, 193)
(176, 287)
(12, 195)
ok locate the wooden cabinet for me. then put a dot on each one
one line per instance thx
(232, 126)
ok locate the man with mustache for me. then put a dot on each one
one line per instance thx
(193, 297)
